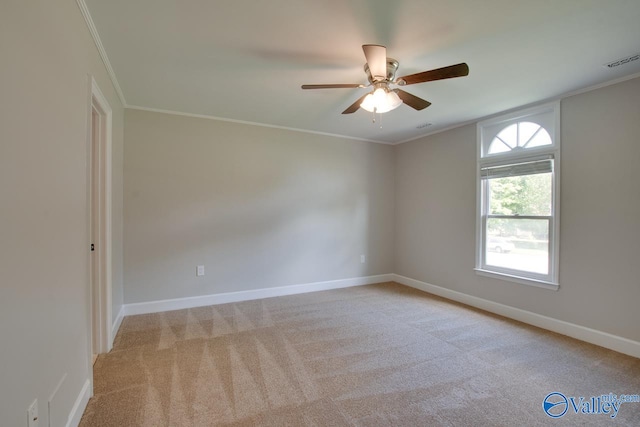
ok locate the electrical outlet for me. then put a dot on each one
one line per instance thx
(363, 259)
(32, 414)
(200, 270)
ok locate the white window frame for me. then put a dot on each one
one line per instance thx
(548, 116)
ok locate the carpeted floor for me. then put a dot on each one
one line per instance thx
(376, 355)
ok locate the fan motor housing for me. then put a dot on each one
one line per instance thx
(392, 67)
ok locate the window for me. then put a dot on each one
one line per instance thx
(518, 171)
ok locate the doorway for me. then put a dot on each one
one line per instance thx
(99, 245)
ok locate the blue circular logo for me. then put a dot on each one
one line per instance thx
(555, 404)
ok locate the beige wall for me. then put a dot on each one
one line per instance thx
(46, 55)
(600, 207)
(258, 207)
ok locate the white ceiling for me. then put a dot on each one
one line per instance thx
(246, 59)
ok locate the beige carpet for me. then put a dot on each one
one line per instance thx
(376, 355)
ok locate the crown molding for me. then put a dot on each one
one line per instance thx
(544, 101)
(245, 122)
(103, 54)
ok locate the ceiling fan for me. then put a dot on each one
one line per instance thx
(381, 72)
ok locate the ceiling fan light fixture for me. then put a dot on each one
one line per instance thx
(381, 100)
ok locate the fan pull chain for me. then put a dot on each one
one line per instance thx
(375, 110)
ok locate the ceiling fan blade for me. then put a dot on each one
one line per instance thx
(412, 100)
(377, 60)
(333, 86)
(354, 107)
(458, 70)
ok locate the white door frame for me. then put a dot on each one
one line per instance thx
(100, 316)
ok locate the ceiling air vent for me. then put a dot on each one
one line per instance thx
(623, 61)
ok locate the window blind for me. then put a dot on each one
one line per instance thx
(517, 169)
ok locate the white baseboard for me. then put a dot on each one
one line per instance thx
(80, 405)
(116, 324)
(593, 336)
(204, 300)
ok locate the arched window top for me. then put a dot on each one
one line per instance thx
(520, 133)
(519, 136)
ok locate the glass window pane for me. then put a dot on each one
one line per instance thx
(509, 135)
(521, 195)
(498, 146)
(518, 244)
(526, 131)
(541, 138)
(521, 135)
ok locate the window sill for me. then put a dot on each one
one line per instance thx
(517, 279)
